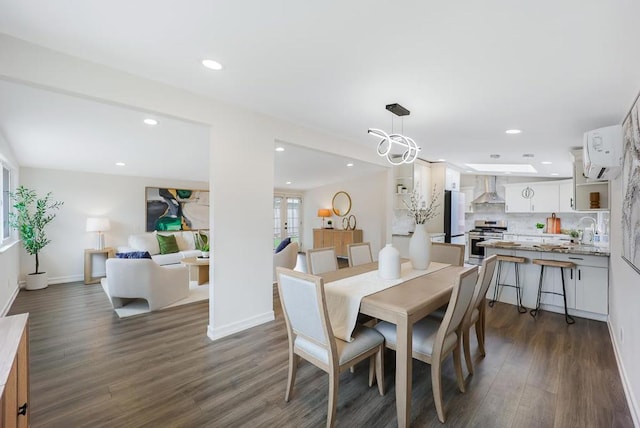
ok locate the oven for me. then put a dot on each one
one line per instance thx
(484, 230)
(476, 253)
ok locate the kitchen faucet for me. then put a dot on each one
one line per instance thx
(589, 239)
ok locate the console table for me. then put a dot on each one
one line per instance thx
(339, 239)
(88, 263)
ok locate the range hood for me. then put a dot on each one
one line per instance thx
(490, 196)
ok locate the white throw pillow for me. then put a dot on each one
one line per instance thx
(188, 239)
(145, 242)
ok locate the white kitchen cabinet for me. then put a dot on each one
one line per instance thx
(516, 200)
(565, 190)
(542, 197)
(445, 177)
(410, 177)
(592, 291)
(469, 196)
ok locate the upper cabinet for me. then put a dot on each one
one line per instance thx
(538, 197)
(444, 177)
(410, 177)
(469, 196)
(589, 194)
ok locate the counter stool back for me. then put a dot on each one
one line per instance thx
(562, 265)
(503, 258)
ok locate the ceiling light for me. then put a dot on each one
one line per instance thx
(120, 164)
(502, 167)
(211, 64)
(409, 149)
(507, 172)
(546, 163)
(528, 155)
(288, 182)
(279, 149)
(151, 122)
(441, 160)
(554, 173)
(350, 164)
(512, 131)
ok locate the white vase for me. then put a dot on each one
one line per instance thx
(420, 248)
(37, 281)
(389, 263)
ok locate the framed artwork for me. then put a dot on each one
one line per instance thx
(176, 209)
(631, 187)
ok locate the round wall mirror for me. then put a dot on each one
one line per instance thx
(341, 203)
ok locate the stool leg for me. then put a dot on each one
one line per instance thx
(568, 318)
(521, 309)
(495, 290)
(534, 312)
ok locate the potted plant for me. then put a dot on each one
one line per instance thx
(202, 244)
(329, 224)
(30, 216)
(539, 226)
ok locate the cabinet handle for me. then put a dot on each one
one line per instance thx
(579, 279)
(22, 410)
(576, 258)
(571, 202)
(571, 274)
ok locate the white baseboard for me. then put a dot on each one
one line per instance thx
(10, 302)
(216, 333)
(628, 392)
(60, 279)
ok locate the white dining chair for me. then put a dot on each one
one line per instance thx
(434, 340)
(311, 337)
(452, 254)
(321, 260)
(476, 313)
(359, 254)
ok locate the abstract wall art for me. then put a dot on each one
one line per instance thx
(176, 209)
(631, 187)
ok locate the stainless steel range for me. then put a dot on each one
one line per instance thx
(484, 230)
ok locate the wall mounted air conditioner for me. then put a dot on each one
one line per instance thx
(602, 153)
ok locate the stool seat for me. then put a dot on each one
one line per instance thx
(513, 259)
(554, 263)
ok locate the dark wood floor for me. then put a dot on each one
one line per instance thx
(89, 368)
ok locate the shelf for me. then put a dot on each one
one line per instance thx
(592, 183)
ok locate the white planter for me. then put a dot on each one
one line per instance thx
(37, 281)
(205, 254)
(420, 248)
(389, 263)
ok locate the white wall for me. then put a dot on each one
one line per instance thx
(241, 168)
(9, 253)
(368, 204)
(119, 198)
(624, 304)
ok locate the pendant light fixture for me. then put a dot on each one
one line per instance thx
(408, 147)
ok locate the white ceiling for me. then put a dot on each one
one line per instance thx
(466, 71)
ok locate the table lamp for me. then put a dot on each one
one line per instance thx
(324, 213)
(100, 225)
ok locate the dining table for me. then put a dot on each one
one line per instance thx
(403, 305)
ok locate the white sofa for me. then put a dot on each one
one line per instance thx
(129, 279)
(287, 258)
(149, 242)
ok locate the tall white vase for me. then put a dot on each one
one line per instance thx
(420, 248)
(389, 263)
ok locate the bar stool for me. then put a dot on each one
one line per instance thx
(553, 263)
(516, 262)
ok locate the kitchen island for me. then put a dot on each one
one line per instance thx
(587, 285)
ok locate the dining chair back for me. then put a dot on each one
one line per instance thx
(311, 337)
(452, 254)
(321, 260)
(359, 254)
(433, 339)
(476, 313)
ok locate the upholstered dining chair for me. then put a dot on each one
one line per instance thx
(452, 254)
(359, 254)
(311, 337)
(321, 260)
(476, 313)
(433, 340)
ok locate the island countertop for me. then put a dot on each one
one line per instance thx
(567, 248)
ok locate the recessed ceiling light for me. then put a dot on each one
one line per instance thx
(441, 160)
(528, 155)
(120, 164)
(554, 173)
(350, 164)
(151, 122)
(288, 182)
(513, 131)
(546, 163)
(502, 167)
(494, 156)
(279, 149)
(211, 64)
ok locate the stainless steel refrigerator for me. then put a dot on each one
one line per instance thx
(454, 227)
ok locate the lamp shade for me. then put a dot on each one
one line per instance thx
(98, 224)
(324, 212)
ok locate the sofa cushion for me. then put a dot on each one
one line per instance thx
(134, 255)
(145, 242)
(187, 240)
(167, 259)
(168, 244)
(283, 244)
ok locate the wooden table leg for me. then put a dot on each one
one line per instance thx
(403, 372)
(203, 274)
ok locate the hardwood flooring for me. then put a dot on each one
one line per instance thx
(89, 368)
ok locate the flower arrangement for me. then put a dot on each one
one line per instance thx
(418, 209)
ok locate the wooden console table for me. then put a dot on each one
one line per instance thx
(339, 239)
(88, 263)
(14, 371)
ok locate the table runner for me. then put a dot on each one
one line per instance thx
(343, 296)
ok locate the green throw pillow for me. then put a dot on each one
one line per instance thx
(201, 239)
(168, 244)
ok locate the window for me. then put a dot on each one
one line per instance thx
(5, 202)
(287, 218)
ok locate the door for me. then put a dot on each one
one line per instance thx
(287, 219)
(517, 199)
